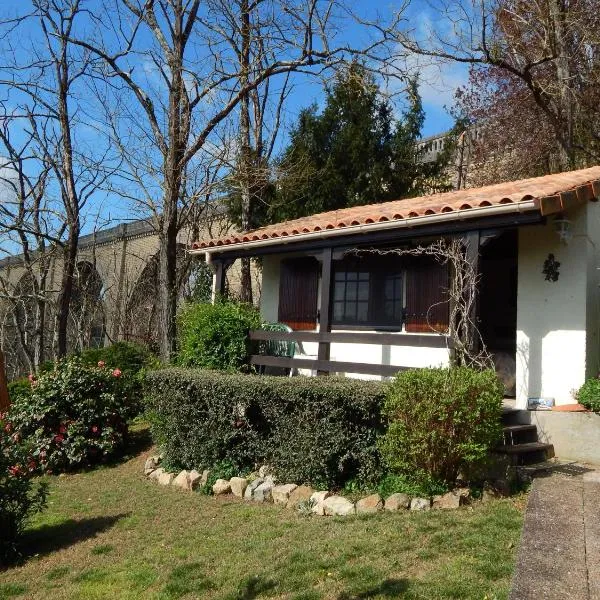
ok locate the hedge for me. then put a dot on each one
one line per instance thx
(321, 431)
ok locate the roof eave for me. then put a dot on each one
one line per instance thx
(410, 223)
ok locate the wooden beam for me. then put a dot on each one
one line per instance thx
(355, 337)
(326, 366)
(4, 399)
(220, 276)
(325, 304)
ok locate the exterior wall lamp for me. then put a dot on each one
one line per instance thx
(563, 229)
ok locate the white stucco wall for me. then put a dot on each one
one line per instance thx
(406, 356)
(557, 322)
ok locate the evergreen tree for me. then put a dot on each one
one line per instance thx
(354, 152)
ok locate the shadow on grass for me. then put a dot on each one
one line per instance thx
(390, 588)
(253, 587)
(49, 538)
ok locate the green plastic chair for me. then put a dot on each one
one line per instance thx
(283, 348)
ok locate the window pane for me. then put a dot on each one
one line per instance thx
(351, 290)
(362, 312)
(338, 291)
(351, 275)
(350, 311)
(338, 311)
(363, 290)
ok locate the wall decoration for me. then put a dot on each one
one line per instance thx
(550, 270)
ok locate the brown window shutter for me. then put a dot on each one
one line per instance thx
(427, 307)
(298, 291)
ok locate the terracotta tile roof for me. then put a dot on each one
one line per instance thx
(550, 193)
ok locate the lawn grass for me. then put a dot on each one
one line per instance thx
(111, 534)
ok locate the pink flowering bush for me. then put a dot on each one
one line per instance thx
(20, 497)
(75, 416)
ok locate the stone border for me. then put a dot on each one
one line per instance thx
(263, 487)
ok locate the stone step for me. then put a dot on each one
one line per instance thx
(527, 453)
(519, 434)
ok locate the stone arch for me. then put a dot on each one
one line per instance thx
(87, 318)
(142, 322)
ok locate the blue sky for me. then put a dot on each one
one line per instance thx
(438, 83)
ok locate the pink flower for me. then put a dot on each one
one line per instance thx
(8, 428)
(94, 428)
(15, 470)
(117, 373)
(58, 438)
(31, 377)
(62, 428)
(101, 363)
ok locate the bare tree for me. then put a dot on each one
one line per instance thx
(43, 81)
(173, 57)
(549, 46)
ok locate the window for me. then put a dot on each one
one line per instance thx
(368, 291)
(390, 292)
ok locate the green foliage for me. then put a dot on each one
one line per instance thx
(19, 388)
(354, 152)
(224, 469)
(215, 336)
(127, 356)
(20, 497)
(76, 415)
(422, 487)
(310, 430)
(589, 394)
(440, 420)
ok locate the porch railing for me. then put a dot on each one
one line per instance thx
(342, 337)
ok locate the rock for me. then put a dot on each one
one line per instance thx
(397, 501)
(370, 504)
(150, 465)
(204, 478)
(221, 487)
(194, 479)
(301, 494)
(156, 474)
(281, 493)
(449, 500)
(495, 489)
(317, 500)
(251, 487)
(238, 486)
(420, 504)
(156, 458)
(166, 478)
(182, 481)
(463, 492)
(338, 506)
(263, 492)
(264, 471)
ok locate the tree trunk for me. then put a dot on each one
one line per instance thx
(245, 151)
(66, 293)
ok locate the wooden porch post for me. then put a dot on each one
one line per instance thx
(4, 400)
(325, 306)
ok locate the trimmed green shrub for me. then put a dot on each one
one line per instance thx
(20, 497)
(75, 416)
(440, 420)
(310, 430)
(589, 394)
(215, 336)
